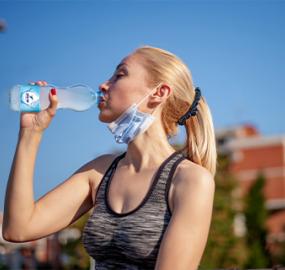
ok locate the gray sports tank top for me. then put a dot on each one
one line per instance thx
(130, 240)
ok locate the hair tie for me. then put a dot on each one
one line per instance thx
(193, 109)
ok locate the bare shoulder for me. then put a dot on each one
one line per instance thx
(188, 171)
(191, 180)
(94, 170)
(98, 166)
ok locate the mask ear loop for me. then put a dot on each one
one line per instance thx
(147, 95)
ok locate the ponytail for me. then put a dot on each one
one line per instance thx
(200, 144)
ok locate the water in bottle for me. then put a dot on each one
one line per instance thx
(34, 98)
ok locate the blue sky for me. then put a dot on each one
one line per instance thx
(234, 49)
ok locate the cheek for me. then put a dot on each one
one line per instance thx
(119, 100)
(120, 97)
(112, 109)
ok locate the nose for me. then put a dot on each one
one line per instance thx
(104, 86)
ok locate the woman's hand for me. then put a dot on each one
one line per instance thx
(39, 121)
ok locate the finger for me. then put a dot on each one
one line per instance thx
(40, 83)
(53, 102)
(43, 83)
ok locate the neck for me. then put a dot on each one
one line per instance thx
(149, 149)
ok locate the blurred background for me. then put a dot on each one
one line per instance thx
(235, 51)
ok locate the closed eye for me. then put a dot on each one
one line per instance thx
(118, 76)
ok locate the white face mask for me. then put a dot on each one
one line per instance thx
(131, 123)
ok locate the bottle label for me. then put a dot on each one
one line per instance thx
(30, 98)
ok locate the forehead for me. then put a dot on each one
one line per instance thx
(134, 64)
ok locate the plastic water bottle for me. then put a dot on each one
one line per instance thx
(34, 98)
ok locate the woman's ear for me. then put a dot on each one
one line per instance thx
(165, 91)
(160, 96)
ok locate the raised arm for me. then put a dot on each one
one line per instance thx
(27, 220)
(19, 200)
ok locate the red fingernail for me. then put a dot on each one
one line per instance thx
(53, 91)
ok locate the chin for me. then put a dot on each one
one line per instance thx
(105, 118)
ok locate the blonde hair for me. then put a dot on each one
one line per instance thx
(165, 67)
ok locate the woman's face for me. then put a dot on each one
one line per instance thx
(127, 85)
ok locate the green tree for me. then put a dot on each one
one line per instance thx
(278, 257)
(224, 249)
(256, 215)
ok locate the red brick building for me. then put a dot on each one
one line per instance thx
(250, 154)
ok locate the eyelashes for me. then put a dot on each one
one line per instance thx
(118, 76)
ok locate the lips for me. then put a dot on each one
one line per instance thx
(102, 104)
(103, 98)
(102, 101)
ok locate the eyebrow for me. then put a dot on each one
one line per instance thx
(120, 65)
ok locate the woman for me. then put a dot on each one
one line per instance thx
(153, 205)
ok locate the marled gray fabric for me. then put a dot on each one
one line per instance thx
(130, 240)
